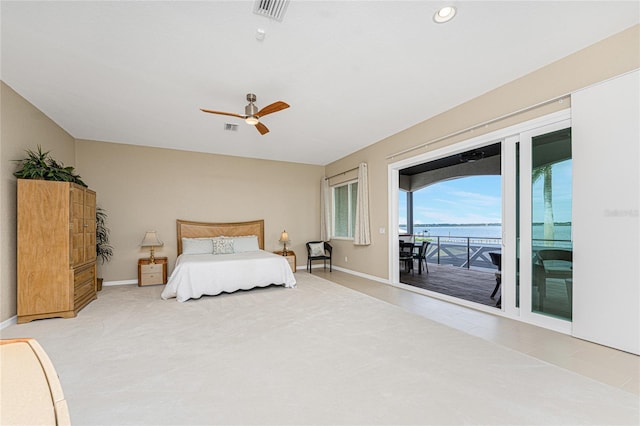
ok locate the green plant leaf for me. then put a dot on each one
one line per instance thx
(40, 165)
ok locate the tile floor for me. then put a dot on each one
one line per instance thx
(606, 365)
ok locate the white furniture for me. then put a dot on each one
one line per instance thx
(31, 391)
(209, 274)
(216, 258)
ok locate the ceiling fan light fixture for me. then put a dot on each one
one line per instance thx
(250, 110)
(252, 114)
(252, 119)
(444, 14)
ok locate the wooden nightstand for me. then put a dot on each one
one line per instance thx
(152, 273)
(291, 258)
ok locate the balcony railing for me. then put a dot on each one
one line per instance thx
(468, 252)
(463, 252)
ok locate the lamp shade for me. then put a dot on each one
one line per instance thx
(284, 237)
(151, 240)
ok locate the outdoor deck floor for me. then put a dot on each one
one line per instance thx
(477, 284)
(467, 284)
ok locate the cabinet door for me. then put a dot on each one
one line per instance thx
(89, 225)
(43, 247)
(76, 226)
(83, 225)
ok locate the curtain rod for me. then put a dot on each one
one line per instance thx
(343, 173)
(477, 126)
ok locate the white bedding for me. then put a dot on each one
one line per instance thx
(196, 275)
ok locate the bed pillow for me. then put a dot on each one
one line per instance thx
(245, 244)
(223, 245)
(197, 246)
(317, 249)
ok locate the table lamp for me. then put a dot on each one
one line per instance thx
(284, 238)
(151, 240)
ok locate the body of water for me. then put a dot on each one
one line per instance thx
(561, 232)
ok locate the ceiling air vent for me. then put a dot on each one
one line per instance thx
(273, 9)
(231, 127)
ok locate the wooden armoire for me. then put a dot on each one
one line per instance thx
(56, 249)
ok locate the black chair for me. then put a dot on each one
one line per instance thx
(326, 254)
(553, 263)
(406, 255)
(496, 259)
(421, 256)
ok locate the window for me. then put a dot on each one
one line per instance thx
(344, 209)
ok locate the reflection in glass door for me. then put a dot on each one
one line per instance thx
(551, 245)
(544, 239)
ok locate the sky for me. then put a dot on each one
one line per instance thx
(473, 199)
(478, 199)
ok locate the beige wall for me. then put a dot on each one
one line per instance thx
(22, 127)
(608, 58)
(149, 188)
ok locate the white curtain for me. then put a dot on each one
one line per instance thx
(362, 233)
(325, 211)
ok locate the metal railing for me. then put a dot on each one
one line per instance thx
(463, 252)
(468, 252)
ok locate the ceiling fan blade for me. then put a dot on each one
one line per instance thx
(262, 128)
(223, 113)
(274, 107)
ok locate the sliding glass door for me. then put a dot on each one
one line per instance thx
(544, 252)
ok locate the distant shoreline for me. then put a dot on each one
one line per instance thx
(435, 225)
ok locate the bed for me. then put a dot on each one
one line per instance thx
(216, 258)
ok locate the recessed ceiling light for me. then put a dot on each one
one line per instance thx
(445, 14)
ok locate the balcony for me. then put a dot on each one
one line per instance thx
(459, 267)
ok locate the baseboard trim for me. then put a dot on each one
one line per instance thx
(6, 323)
(362, 275)
(122, 282)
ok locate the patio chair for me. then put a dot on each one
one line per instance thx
(421, 256)
(553, 263)
(496, 259)
(406, 255)
(406, 238)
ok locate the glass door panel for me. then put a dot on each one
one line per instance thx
(551, 241)
(544, 248)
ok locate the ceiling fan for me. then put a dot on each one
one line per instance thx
(251, 113)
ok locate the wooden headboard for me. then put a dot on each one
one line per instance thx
(188, 229)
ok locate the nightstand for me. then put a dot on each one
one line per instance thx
(152, 273)
(291, 258)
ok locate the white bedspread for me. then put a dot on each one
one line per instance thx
(196, 275)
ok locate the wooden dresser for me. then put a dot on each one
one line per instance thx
(56, 249)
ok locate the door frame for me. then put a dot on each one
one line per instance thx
(507, 136)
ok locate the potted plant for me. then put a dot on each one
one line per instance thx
(40, 165)
(104, 250)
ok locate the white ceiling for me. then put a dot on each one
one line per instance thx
(354, 72)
